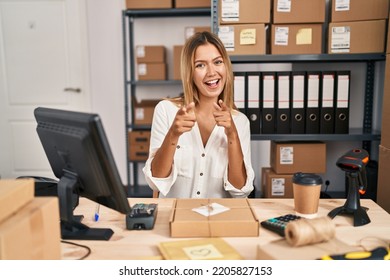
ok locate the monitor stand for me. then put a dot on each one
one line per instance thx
(71, 226)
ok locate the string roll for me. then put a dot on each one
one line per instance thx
(310, 231)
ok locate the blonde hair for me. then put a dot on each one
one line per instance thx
(191, 93)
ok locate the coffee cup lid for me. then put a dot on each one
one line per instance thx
(306, 179)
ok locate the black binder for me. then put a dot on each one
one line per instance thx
(268, 103)
(312, 103)
(327, 102)
(239, 91)
(298, 89)
(343, 79)
(253, 101)
(283, 103)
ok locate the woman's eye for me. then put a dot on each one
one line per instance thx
(199, 65)
(218, 62)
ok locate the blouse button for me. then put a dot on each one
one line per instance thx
(201, 174)
(198, 193)
(178, 146)
(203, 155)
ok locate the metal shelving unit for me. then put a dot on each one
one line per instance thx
(131, 84)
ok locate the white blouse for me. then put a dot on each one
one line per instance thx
(198, 171)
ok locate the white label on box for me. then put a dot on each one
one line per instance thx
(286, 155)
(284, 6)
(140, 52)
(226, 34)
(281, 36)
(341, 5)
(142, 69)
(277, 186)
(189, 31)
(139, 114)
(340, 39)
(230, 10)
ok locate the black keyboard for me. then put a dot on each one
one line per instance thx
(279, 224)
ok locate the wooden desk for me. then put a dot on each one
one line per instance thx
(134, 244)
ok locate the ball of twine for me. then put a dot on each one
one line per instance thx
(310, 231)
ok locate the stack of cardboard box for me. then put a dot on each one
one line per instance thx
(151, 62)
(29, 226)
(358, 26)
(297, 26)
(383, 191)
(287, 158)
(139, 142)
(242, 26)
(149, 4)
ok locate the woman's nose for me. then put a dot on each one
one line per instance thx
(211, 70)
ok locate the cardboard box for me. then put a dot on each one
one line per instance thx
(152, 71)
(143, 111)
(14, 194)
(176, 62)
(238, 221)
(150, 54)
(385, 131)
(148, 4)
(139, 142)
(33, 233)
(138, 152)
(292, 157)
(296, 38)
(139, 137)
(247, 39)
(298, 11)
(281, 250)
(244, 11)
(357, 37)
(358, 10)
(388, 38)
(383, 191)
(192, 3)
(191, 30)
(276, 185)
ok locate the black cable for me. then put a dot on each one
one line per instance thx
(79, 245)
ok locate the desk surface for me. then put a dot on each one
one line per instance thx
(134, 244)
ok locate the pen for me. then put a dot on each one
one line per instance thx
(96, 217)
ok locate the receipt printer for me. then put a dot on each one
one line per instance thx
(142, 216)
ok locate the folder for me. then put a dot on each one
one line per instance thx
(253, 101)
(298, 89)
(341, 125)
(268, 103)
(283, 103)
(312, 103)
(239, 91)
(327, 102)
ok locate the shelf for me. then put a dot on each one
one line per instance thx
(155, 83)
(355, 134)
(154, 13)
(308, 58)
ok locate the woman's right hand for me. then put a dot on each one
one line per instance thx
(184, 120)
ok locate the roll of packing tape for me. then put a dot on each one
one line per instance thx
(310, 231)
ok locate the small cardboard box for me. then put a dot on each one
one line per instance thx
(143, 111)
(276, 185)
(292, 157)
(192, 3)
(385, 137)
(150, 54)
(191, 30)
(299, 11)
(357, 37)
(383, 192)
(148, 4)
(296, 38)
(244, 39)
(238, 221)
(357, 10)
(33, 233)
(139, 137)
(152, 71)
(176, 62)
(244, 11)
(14, 194)
(139, 142)
(138, 152)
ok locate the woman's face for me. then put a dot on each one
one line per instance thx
(210, 71)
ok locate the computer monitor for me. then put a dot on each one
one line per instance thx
(80, 156)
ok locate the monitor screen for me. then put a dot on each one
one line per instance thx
(80, 156)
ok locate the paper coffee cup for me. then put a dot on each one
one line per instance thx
(307, 190)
